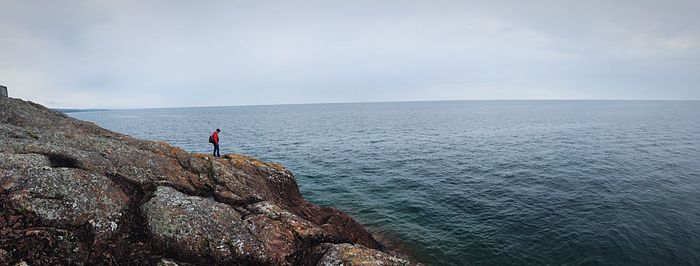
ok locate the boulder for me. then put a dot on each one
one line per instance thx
(347, 254)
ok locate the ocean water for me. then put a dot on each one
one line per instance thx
(478, 182)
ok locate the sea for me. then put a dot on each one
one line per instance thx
(477, 182)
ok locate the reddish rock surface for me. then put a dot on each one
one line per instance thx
(74, 193)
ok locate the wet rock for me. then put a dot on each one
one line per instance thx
(74, 193)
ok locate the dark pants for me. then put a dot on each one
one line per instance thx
(216, 150)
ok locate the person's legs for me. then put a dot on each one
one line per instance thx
(216, 150)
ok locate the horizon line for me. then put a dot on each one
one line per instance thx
(74, 109)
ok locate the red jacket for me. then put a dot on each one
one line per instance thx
(216, 137)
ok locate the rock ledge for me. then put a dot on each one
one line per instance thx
(74, 193)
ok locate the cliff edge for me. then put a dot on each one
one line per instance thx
(75, 193)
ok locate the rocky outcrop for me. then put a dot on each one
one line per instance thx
(74, 193)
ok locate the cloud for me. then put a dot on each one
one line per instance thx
(180, 53)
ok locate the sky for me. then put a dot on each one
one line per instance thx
(135, 54)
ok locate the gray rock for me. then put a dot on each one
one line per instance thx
(65, 198)
(74, 193)
(23, 161)
(347, 254)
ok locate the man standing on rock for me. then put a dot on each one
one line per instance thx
(214, 139)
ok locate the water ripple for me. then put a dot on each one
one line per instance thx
(478, 182)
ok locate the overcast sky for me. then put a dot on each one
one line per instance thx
(124, 54)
